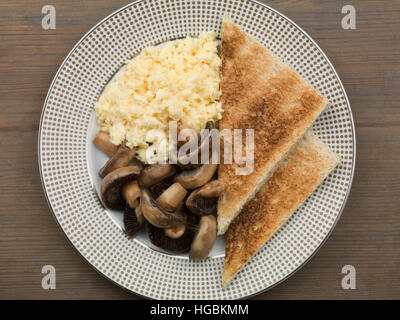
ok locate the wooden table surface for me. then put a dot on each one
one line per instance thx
(368, 234)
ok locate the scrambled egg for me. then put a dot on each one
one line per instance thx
(176, 80)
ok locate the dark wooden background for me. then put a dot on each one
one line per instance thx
(368, 234)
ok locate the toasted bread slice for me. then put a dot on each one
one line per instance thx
(297, 177)
(259, 92)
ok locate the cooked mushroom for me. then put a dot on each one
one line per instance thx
(131, 193)
(203, 201)
(175, 232)
(156, 215)
(171, 199)
(189, 132)
(156, 173)
(190, 142)
(111, 186)
(192, 220)
(158, 237)
(131, 222)
(121, 158)
(188, 166)
(204, 238)
(157, 189)
(102, 141)
(192, 179)
(193, 158)
(139, 215)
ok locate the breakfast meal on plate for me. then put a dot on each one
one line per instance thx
(183, 205)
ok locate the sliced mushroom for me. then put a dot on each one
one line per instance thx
(102, 141)
(131, 222)
(205, 238)
(172, 198)
(131, 193)
(139, 215)
(190, 133)
(158, 237)
(202, 206)
(192, 179)
(156, 190)
(203, 201)
(190, 143)
(121, 158)
(194, 157)
(188, 166)
(175, 232)
(111, 186)
(158, 216)
(192, 220)
(156, 173)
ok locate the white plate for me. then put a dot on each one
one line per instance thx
(69, 162)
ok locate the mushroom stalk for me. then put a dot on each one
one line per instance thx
(175, 232)
(131, 193)
(111, 186)
(102, 141)
(172, 198)
(158, 216)
(159, 238)
(205, 238)
(139, 215)
(120, 159)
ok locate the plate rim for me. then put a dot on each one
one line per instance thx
(353, 131)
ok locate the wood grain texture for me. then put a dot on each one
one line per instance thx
(368, 234)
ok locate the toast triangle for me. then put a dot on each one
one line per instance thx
(259, 92)
(297, 177)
